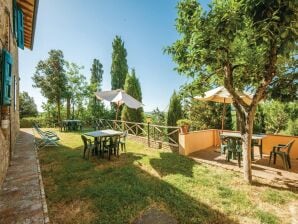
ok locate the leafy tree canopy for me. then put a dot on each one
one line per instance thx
(50, 77)
(28, 107)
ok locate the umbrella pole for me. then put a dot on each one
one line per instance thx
(223, 115)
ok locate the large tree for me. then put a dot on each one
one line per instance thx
(241, 44)
(119, 68)
(133, 88)
(50, 77)
(28, 107)
(76, 87)
(95, 106)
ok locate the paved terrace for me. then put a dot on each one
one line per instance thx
(274, 174)
(22, 196)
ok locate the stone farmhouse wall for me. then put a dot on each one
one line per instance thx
(8, 42)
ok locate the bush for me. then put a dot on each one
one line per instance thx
(27, 122)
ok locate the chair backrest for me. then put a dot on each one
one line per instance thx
(289, 146)
(125, 133)
(84, 141)
(114, 140)
(231, 142)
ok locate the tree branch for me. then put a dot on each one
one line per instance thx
(228, 83)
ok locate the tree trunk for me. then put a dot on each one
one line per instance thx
(59, 114)
(246, 129)
(68, 108)
(73, 110)
(246, 136)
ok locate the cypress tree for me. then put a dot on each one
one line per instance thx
(174, 114)
(119, 68)
(133, 88)
(175, 110)
(96, 107)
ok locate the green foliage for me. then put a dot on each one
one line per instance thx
(259, 121)
(50, 77)
(292, 127)
(175, 110)
(276, 118)
(119, 68)
(182, 122)
(133, 88)
(174, 114)
(158, 117)
(27, 122)
(206, 115)
(76, 87)
(96, 107)
(28, 107)
(266, 217)
(96, 75)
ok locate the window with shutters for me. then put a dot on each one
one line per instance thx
(6, 78)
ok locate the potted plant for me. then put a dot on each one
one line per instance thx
(184, 125)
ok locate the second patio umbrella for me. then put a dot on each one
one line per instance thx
(119, 97)
(222, 95)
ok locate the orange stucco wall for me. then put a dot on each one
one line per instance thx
(195, 141)
(198, 140)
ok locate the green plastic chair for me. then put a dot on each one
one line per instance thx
(284, 152)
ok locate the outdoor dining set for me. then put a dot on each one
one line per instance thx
(105, 141)
(231, 146)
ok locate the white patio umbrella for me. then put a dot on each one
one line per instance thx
(119, 97)
(222, 95)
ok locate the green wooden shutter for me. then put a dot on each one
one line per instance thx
(20, 17)
(6, 78)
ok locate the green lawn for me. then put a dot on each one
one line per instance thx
(118, 191)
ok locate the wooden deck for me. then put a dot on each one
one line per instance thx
(260, 167)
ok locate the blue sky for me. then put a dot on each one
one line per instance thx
(85, 29)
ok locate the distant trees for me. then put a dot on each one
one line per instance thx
(158, 117)
(50, 77)
(28, 107)
(133, 88)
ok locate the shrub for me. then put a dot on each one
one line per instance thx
(27, 122)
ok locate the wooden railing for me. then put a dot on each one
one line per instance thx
(157, 136)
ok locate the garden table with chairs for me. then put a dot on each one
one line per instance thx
(233, 144)
(71, 125)
(104, 141)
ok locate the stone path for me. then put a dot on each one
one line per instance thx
(22, 195)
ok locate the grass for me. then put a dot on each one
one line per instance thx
(118, 191)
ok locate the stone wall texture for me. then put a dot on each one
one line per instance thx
(7, 41)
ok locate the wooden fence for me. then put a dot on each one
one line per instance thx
(157, 136)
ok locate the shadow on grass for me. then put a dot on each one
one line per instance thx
(172, 163)
(118, 190)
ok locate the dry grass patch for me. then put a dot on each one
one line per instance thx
(74, 212)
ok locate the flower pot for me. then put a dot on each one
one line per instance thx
(184, 129)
